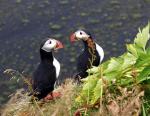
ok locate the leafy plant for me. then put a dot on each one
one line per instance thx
(127, 70)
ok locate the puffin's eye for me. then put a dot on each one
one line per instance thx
(80, 33)
(50, 42)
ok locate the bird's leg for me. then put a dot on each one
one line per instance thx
(52, 95)
(49, 97)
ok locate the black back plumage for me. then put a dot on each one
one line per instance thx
(86, 60)
(44, 76)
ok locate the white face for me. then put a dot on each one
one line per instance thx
(81, 35)
(49, 45)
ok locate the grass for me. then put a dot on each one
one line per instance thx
(21, 104)
(121, 101)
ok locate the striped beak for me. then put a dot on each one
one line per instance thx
(73, 38)
(59, 45)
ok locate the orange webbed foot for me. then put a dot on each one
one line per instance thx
(52, 96)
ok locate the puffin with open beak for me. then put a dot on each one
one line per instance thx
(92, 54)
(48, 70)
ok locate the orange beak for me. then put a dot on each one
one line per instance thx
(73, 38)
(59, 44)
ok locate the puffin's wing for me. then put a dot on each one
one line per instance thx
(100, 52)
(45, 74)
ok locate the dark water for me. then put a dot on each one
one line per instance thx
(24, 23)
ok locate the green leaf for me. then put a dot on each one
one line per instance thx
(143, 60)
(125, 82)
(140, 50)
(112, 75)
(88, 87)
(128, 60)
(148, 50)
(105, 65)
(131, 48)
(90, 84)
(142, 37)
(113, 65)
(94, 69)
(97, 92)
(143, 110)
(144, 75)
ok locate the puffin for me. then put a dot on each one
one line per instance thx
(92, 54)
(47, 72)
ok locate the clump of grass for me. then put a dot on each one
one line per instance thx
(20, 103)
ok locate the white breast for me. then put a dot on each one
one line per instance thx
(100, 52)
(57, 67)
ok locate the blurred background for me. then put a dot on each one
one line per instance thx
(24, 23)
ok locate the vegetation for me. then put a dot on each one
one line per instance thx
(130, 70)
(118, 87)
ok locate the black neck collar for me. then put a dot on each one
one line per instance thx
(46, 56)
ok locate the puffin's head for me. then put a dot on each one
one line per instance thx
(51, 44)
(79, 35)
